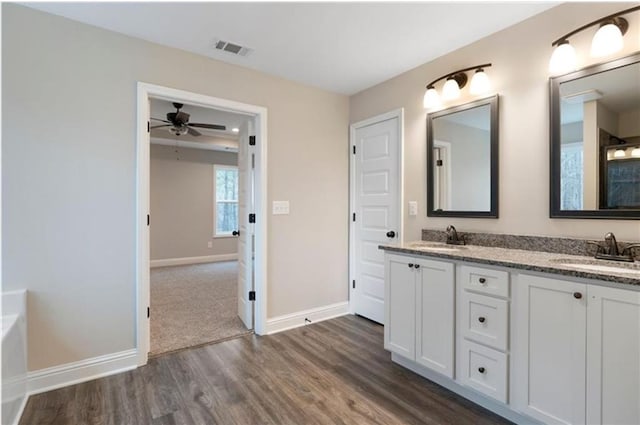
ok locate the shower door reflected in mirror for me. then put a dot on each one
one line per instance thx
(462, 160)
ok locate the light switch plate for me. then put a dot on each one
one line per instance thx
(413, 208)
(280, 207)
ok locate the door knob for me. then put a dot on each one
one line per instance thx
(236, 233)
(481, 369)
(577, 295)
(391, 234)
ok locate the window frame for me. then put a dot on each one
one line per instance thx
(216, 168)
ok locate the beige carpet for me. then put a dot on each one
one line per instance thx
(193, 305)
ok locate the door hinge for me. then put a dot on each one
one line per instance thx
(354, 149)
(148, 312)
(439, 163)
(252, 140)
(252, 218)
(353, 285)
(148, 127)
(148, 219)
(354, 216)
(252, 295)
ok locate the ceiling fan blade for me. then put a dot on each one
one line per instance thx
(209, 126)
(160, 126)
(194, 132)
(158, 119)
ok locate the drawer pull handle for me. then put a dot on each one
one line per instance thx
(577, 295)
(481, 319)
(417, 266)
(481, 369)
(482, 280)
(410, 265)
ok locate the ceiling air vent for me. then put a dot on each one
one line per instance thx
(232, 48)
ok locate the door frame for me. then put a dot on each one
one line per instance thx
(143, 147)
(396, 113)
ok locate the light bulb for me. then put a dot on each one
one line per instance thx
(431, 98)
(563, 59)
(635, 152)
(451, 90)
(480, 82)
(619, 153)
(607, 40)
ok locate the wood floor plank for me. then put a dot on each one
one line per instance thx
(332, 372)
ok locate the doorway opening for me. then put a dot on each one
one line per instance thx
(201, 257)
(195, 177)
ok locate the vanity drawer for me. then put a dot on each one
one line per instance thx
(485, 319)
(484, 370)
(486, 281)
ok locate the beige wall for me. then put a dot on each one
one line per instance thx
(182, 202)
(520, 57)
(68, 130)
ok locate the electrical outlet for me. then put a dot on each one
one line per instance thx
(413, 208)
(209, 244)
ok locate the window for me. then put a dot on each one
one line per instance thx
(226, 199)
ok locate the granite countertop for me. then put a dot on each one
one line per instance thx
(526, 260)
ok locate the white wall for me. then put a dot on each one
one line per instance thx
(182, 189)
(68, 130)
(520, 57)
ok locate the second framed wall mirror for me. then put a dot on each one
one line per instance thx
(595, 141)
(462, 160)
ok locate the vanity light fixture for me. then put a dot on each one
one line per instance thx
(606, 41)
(636, 152)
(454, 82)
(620, 153)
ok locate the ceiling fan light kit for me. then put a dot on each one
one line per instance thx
(179, 125)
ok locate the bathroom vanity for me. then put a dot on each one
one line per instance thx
(533, 336)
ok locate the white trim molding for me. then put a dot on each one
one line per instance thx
(193, 260)
(318, 314)
(51, 378)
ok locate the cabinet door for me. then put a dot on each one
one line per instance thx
(435, 302)
(400, 295)
(550, 349)
(613, 356)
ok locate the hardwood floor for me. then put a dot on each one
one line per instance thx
(332, 372)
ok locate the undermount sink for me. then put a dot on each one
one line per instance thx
(436, 246)
(599, 265)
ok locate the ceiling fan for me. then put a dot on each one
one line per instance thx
(179, 123)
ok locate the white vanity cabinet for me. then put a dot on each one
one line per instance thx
(576, 352)
(419, 311)
(532, 347)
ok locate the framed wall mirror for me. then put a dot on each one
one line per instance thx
(462, 160)
(595, 141)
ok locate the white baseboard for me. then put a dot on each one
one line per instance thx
(51, 378)
(294, 320)
(192, 260)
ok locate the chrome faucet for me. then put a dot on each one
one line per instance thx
(452, 236)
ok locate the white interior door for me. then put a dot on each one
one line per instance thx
(245, 237)
(376, 212)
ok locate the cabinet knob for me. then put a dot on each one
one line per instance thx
(482, 280)
(481, 369)
(391, 234)
(481, 319)
(577, 295)
(411, 265)
(417, 266)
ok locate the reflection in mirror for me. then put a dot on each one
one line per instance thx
(462, 152)
(596, 150)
